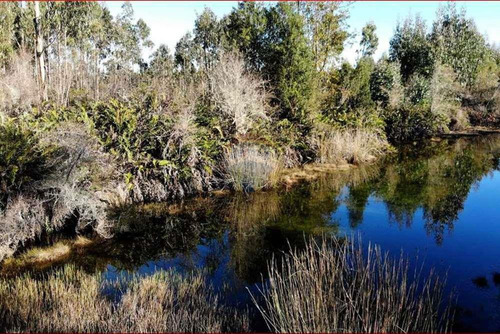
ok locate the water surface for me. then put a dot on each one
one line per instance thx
(439, 201)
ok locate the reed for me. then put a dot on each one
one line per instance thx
(70, 300)
(335, 286)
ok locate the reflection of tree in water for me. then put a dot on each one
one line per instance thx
(247, 231)
(357, 199)
(437, 179)
(266, 224)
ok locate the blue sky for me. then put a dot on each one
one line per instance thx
(169, 20)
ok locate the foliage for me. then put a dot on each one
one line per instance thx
(385, 84)
(410, 123)
(336, 286)
(457, 43)
(251, 168)
(240, 96)
(70, 300)
(410, 47)
(22, 160)
(326, 30)
(369, 40)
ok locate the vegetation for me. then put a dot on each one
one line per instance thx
(341, 296)
(87, 126)
(71, 300)
(332, 286)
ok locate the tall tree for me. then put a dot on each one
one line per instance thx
(207, 34)
(326, 28)
(369, 40)
(411, 48)
(39, 49)
(457, 43)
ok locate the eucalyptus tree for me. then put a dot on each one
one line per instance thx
(369, 40)
(7, 19)
(186, 54)
(207, 36)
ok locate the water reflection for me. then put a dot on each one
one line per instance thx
(233, 237)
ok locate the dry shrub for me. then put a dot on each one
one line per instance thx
(18, 87)
(81, 185)
(70, 300)
(336, 287)
(352, 146)
(24, 219)
(249, 167)
(240, 95)
(445, 97)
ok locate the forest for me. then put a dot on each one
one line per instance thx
(87, 124)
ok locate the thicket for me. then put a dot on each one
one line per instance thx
(86, 123)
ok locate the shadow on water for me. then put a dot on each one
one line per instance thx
(412, 200)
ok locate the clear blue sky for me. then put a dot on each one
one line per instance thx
(169, 20)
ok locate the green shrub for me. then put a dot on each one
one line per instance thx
(22, 159)
(409, 123)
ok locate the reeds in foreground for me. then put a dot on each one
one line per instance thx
(335, 286)
(70, 300)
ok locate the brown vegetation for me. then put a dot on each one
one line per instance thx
(333, 286)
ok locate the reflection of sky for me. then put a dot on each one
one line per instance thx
(471, 250)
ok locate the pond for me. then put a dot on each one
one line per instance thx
(438, 201)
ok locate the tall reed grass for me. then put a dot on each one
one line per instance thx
(334, 286)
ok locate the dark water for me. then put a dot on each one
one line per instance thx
(439, 201)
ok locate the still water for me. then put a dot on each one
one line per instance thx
(438, 202)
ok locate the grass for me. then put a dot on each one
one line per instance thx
(332, 286)
(250, 168)
(40, 258)
(70, 300)
(351, 146)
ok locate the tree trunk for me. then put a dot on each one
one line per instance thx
(39, 51)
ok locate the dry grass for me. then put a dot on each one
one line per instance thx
(69, 300)
(250, 168)
(351, 146)
(332, 286)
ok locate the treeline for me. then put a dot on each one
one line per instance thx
(87, 123)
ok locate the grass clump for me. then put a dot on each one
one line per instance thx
(333, 286)
(351, 146)
(250, 168)
(70, 300)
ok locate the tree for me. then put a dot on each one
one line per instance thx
(186, 54)
(411, 48)
(289, 64)
(274, 41)
(326, 29)
(243, 29)
(162, 62)
(39, 50)
(7, 18)
(207, 34)
(369, 40)
(457, 43)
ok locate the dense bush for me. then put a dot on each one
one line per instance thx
(22, 159)
(410, 123)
